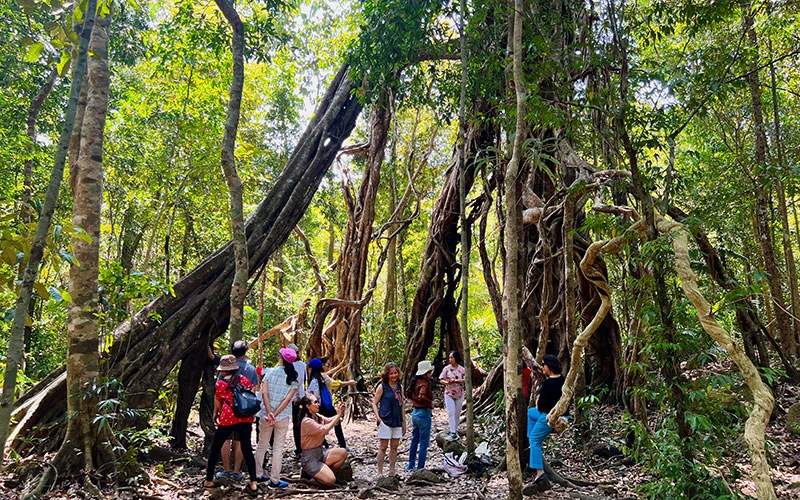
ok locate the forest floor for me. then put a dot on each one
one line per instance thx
(613, 475)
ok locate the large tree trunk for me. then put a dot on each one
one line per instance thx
(239, 238)
(169, 329)
(434, 296)
(344, 327)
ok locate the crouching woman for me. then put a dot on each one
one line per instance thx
(318, 463)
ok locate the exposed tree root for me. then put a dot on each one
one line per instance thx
(596, 277)
(762, 396)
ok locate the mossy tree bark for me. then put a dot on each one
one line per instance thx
(87, 444)
(17, 333)
(512, 347)
(239, 238)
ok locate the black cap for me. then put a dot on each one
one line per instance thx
(239, 348)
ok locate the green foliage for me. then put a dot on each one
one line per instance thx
(392, 33)
(120, 292)
(383, 340)
(677, 477)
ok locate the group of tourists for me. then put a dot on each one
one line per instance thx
(388, 407)
(286, 402)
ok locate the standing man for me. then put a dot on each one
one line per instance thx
(247, 370)
(300, 366)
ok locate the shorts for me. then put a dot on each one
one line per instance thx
(312, 460)
(386, 432)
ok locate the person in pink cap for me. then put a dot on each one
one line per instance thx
(278, 388)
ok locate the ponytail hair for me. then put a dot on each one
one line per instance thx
(291, 373)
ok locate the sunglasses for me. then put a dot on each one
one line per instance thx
(313, 402)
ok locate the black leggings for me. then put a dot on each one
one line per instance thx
(220, 436)
(330, 412)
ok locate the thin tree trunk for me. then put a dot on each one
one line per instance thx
(390, 301)
(762, 396)
(465, 229)
(239, 286)
(17, 332)
(783, 322)
(95, 443)
(788, 252)
(512, 352)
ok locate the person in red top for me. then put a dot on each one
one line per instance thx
(318, 463)
(228, 423)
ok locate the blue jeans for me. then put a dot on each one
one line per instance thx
(538, 430)
(420, 437)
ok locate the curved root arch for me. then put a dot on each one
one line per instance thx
(596, 277)
(762, 396)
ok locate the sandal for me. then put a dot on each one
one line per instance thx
(250, 491)
(540, 478)
(214, 485)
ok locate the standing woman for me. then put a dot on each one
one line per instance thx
(277, 391)
(422, 400)
(453, 377)
(319, 464)
(388, 407)
(228, 423)
(538, 428)
(322, 385)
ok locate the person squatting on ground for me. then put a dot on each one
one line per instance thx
(277, 391)
(300, 368)
(228, 423)
(322, 386)
(319, 463)
(453, 377)
(422, 399)
(238, 349)
(538, 428)
(388, 407)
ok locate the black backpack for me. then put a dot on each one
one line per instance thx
(245, 401)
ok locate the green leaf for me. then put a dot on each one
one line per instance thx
(63, 63)
(55, 294)
(34, 51)
(41, 290)
(9, 315)
(66, 256)
(29, 6)
(82, 235)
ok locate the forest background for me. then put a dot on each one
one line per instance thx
(612, 168)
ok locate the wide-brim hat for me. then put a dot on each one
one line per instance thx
(228, 363)
(288, 355)
(424, 367)
(293, 347)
